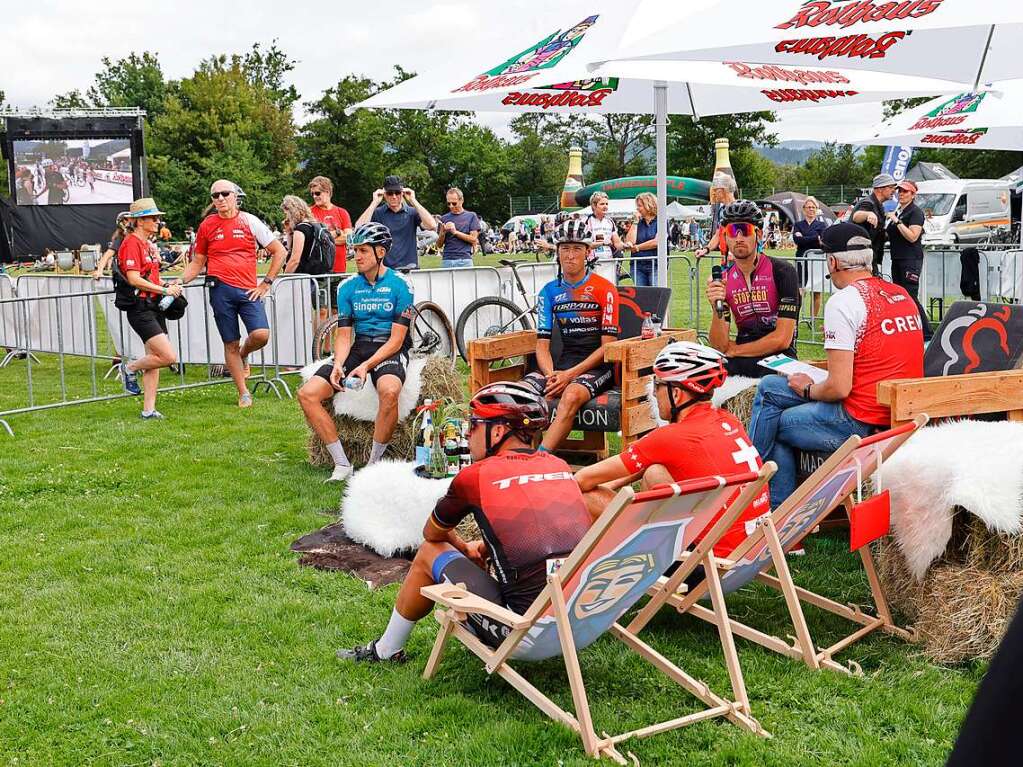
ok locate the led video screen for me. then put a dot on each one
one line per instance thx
(73, 172)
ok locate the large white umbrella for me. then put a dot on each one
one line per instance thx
(967, 41)
(985, 120)
(546, 64)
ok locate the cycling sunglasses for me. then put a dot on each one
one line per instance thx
(743, 229)
(215, 195)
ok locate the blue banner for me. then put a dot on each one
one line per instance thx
(896, 162)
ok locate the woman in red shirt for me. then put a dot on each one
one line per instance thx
(139, 264)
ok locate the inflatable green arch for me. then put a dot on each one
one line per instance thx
(628, 187)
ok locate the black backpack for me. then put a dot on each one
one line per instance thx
(125, 296)
(320, 257)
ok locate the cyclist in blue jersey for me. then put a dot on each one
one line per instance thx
(584, 307)
(374, 309)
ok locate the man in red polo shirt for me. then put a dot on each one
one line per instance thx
(226, 246)
(334, 217)
(873, 331)
(700, 440)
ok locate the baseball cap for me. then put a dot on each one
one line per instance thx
(908, 185)
(883, 179)
(843, 237)
(394, 184)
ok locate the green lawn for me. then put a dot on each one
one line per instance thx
(152, 614)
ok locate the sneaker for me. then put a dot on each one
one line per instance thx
(341, 472)
(129, 379)
(368, 654)
(152, 415)
(245, 400)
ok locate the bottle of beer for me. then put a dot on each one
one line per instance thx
(718, 194)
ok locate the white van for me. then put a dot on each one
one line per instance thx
(963, 211)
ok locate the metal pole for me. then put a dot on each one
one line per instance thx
(661, 123)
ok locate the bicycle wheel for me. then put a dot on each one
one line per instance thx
(431, 333)
(323, 339)
(487, 317)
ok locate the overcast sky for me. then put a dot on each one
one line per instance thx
(53, 46)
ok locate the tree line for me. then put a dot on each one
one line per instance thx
(234, 117)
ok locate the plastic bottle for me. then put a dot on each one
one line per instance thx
(464, 457)
(354, 383)
(656, 321)
(451, 451)
(427, 433)
(165, 302)
(647, 330)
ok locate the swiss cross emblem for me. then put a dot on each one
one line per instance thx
(746, 454)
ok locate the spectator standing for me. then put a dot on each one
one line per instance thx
(334, 217)
(139, 264)
(165, 232)
(606, 241)
(396, 207)
(870, 214)
(806, 234)
(642, 240)
(113, 244)
(226, 246)
(905, 228)
(299, 233)
(458, 233)
(872, 332)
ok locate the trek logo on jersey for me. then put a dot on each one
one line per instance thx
(523, 479)
(844, 14)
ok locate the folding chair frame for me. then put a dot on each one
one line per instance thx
(457, 603)
(801, 645)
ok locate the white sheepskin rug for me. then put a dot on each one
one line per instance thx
(385, 506)
(976, 465)
(732, 386)
(362, 405)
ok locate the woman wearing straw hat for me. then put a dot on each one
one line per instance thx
(139, 264)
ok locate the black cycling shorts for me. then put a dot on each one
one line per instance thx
(595, 381)
(454, 567)
(145, 321)
(362, 350)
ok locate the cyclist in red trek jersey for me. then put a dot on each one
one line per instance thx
(528, 508)
(584, 306)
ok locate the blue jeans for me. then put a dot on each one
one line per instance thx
(782, 422)
(644, 273)
(454, 263)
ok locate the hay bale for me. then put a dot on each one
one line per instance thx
(741, 405)
(440, 380)
(965, 601)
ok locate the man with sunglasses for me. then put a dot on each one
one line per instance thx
(226, 245)
(872, 332)
(396, 207)
(459, 232)
(759, 291)
(870, 214)
(334, 217)
(529, 510)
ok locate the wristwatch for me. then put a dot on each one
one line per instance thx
(806, 391)
(268, 280)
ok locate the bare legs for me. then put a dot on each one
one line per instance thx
(236, 354)
(573, 398)
(159, 354)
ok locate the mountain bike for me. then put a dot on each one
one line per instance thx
(430, 331)
(494, 315)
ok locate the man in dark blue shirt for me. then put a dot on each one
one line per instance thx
(396, 207)
(374, 310)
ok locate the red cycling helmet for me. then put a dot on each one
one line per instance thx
(516, 405)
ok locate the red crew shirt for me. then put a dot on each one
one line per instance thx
(230, 246)
(707, 442)
(134, 255)
(337, 219)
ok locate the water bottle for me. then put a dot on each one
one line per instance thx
(354, 383)
(656, 322)
(647, 330)
(165, 302)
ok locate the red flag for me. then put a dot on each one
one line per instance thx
(870, 520)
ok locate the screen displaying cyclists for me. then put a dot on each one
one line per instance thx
(73, 172)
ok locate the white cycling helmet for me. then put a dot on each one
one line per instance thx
(573, 230)
(695, 367)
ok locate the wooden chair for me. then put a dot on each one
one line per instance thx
(973, 366)
(622, 555)
(830, 486)
(508, 357)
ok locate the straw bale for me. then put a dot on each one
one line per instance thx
(965, 601)
(440, 379)
(741, 405)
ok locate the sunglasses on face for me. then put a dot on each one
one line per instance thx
(316, 194)
(452, 204)
(393, 194)
(743, 229)
(215, 195)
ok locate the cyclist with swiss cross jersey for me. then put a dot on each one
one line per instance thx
(584, 306)
(761, 292)
(529, 510)
(374, 306)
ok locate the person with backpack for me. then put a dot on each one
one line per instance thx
(138, 292)
(334, 217)
(309, 242)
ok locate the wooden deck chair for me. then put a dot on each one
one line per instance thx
(838, 478)
(622, 555)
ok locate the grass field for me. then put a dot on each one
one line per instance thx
(152, 614)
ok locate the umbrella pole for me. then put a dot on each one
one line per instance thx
(661, 123)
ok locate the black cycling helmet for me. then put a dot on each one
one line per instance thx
(372, 233)
(742, 212)
(516, 405)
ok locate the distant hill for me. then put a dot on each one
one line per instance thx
(789, 152)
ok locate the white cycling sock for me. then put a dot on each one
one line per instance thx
(337, 452)
(395, 635)
(378, 451)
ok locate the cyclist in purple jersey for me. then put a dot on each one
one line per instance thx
(761, 292)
